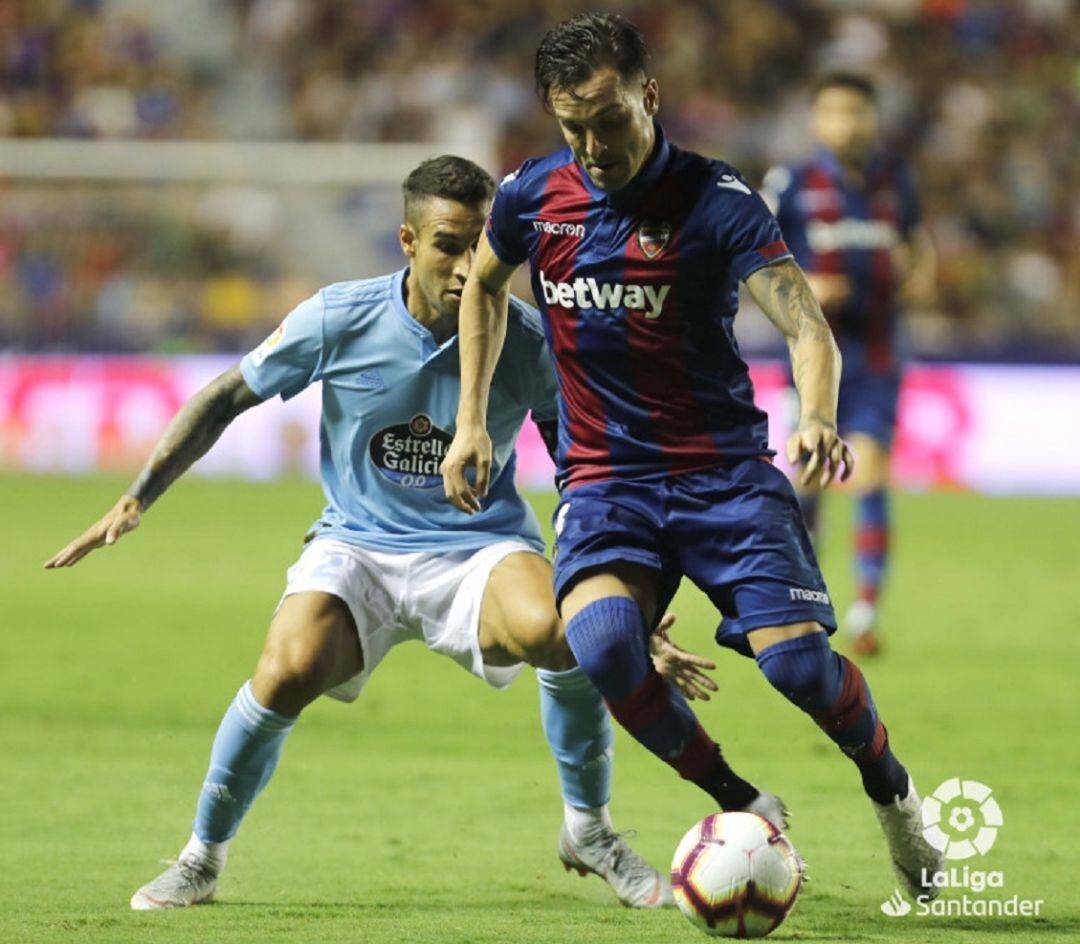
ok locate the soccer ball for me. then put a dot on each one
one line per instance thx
(735, 875)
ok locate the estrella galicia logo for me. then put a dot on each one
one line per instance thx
(410, 453)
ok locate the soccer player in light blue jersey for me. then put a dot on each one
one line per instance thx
(390, 559)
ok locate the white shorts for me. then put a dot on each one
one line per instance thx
(395, 597)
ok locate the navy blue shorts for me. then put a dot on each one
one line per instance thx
(868, 401)
(735, 530)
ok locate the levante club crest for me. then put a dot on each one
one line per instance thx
(653, 238)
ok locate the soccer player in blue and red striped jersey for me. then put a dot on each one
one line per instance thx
(850, 216)
(636, 249)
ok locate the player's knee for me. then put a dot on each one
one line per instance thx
(289, 676)
(608, 637)
(802, 669)
(870, 480)
(544, 642)
(872, 467)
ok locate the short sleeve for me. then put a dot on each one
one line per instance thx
(746, 231)
(290, 358)
(503, 226)
(545, 399)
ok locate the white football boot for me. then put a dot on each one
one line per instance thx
(861, 628)
(187, 881)
(769, 807)
(607, 854)
(912, 856)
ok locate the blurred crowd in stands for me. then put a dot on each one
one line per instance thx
(983, 97)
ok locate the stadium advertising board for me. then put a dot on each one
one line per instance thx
(988, 428)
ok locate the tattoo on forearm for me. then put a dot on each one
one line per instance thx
(191, 433)
(788, 301)
(791, 305)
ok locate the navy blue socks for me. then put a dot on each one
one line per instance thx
(871, 543)
(831, 689)
(609, 639)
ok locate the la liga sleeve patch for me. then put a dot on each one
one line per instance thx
(260, 353)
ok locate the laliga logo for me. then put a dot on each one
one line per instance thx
(961, 818)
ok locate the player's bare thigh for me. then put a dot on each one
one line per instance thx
(871, 463)
(518, 619)
(766, 636)
(617, 579)
(311, 646)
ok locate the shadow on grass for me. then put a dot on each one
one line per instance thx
(552, 911)
(985, 926)
(559, 905)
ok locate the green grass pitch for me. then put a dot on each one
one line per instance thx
(428, 811)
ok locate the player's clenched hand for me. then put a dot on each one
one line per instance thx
(471, 449)
(685, 670)
(822, 452)
(124, 516)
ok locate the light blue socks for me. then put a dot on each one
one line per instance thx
(250, 738)
(244, 755)
(578, 730)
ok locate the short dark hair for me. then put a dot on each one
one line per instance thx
(853, 81)
(577, 47)
(449, 177)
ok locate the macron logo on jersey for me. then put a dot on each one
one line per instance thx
(809, 596)
(560, 229)
(588, 293)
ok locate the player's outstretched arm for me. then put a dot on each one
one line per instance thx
(481, 331)
(782, 292)
(194, 429)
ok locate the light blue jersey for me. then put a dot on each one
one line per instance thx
(389, 402)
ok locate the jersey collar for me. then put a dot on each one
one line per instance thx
(397, 294)
(643, 181)
(429, 348)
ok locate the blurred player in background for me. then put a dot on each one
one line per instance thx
(851, 219)
(390, 559)
(636, 249)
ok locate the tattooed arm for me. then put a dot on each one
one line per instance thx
(194, 429)
(192, 432)
(782, 292)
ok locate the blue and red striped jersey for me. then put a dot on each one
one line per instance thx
(638, 291)
(839, 226)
